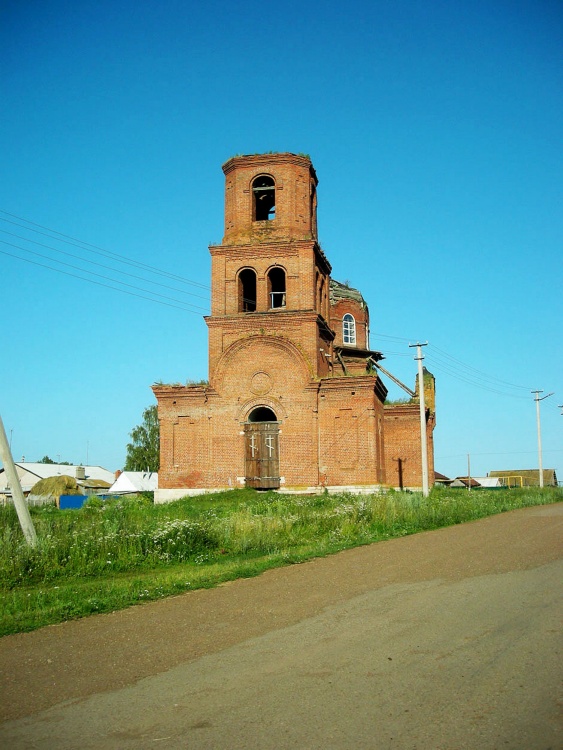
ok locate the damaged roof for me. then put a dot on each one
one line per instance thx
(340, 291)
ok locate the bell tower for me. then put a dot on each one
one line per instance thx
(269, 275)
(270, 198)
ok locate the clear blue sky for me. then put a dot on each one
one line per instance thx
(436, 132)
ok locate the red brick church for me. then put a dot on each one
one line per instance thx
(294, 399)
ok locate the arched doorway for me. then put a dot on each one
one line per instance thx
(262, 453)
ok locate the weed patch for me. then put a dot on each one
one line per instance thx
(110, 555)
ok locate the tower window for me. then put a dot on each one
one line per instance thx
(348, 329)
(247, 290)
(276, 287)
(264, 198)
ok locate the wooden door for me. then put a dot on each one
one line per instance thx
(262, 455)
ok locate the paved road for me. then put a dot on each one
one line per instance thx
(442, 641)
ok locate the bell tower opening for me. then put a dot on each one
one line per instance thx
(247, 290)
(276, 287)
(264, 199)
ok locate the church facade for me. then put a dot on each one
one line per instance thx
(294, 399)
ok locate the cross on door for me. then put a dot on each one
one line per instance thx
(270, 445)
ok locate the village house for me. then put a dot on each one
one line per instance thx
(88, 479)
(294, 399)
(133, 482)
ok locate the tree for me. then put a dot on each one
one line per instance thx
(47, 460)
(143, 452)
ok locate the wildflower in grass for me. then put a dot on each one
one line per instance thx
(179, 540)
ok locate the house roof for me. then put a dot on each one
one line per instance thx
(488, 481)
(134, 481)
(31, 472)
(441, 477)
(465, 481)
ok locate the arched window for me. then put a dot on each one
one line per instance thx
(262, 414)
(247, 290)
(276, 287)
(264, 199)
(348, 329)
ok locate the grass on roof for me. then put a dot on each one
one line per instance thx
(60, 485)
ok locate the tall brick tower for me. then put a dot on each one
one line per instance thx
(269, 276)
(293, 398)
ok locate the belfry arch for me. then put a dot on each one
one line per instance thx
(264, 198)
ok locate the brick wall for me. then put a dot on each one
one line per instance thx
(403, 453)
(331, 431)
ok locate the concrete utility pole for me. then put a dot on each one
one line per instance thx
(19, 502)
(537, 400)
(424, 447)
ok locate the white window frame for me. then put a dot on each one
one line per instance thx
(349, 330)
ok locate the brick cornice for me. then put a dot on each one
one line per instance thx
(239, 320)
(281, 247)
(172, 390)
(265, 160)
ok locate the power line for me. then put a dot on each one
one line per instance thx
(439, 366)
(498, 453)
(99, 275)
(396, 339)
(478, 372)
(95, 249)
(442, 361)
(98, 283)
(94, 263)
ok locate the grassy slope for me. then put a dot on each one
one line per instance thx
(109, 556)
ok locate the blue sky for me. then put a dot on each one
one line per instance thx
(435, 129)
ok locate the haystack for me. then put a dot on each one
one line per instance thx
(51, 488)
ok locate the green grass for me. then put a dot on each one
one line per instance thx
(111, 555)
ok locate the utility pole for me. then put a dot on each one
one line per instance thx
(21, 507)
(537, 399)
(468, 473)
(424, 447)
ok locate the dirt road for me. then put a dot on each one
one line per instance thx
(445, 640)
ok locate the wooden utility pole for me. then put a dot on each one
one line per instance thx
(19, 502)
